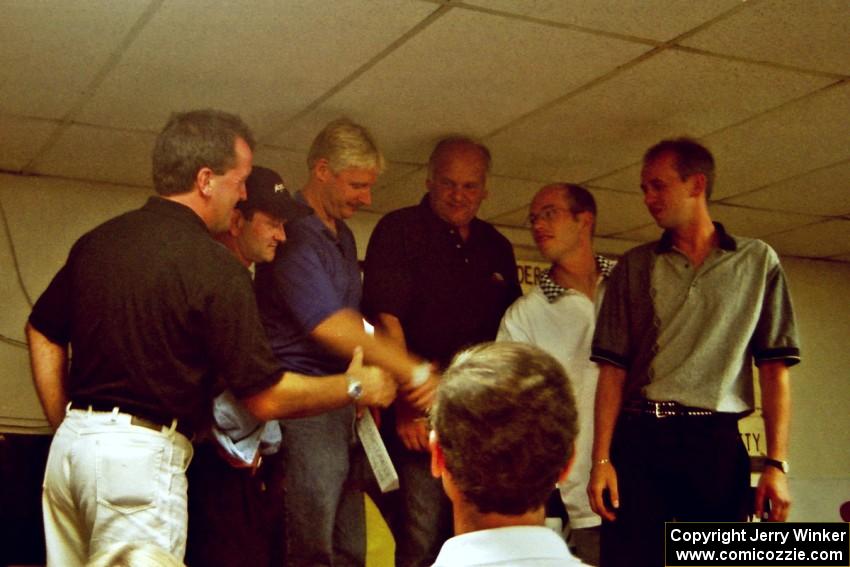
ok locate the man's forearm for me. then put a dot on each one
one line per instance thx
(343, 331)
(776, 407)
(609, 399)
(49, 363)
(296, 396)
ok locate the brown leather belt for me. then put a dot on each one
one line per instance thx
(135, 419)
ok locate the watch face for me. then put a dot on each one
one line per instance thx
(355, 390)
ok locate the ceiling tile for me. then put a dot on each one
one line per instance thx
(517, 218)
(611, 125)
(51, 51)
(657, 19)
(467, 72)
(828, 238)
(802, 33)
(625, 179)
(825, 191)
(841, 258)
(617, 212)
(289, 54)
(100, 154)
(799, 137)
(645, 233)
(21, 140)
(756, 223)
(291, 166)
(506, 195)
(402, 190)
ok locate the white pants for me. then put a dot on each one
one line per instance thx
(108, 481)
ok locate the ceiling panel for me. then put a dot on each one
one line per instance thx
(506, 195)
(657, 19)
(802, 136)
(825, 191)
(403, 190)
(21, 139)
(828, 238)
(814, 35)
(51, 51)
(644, 233)
(266, 62)
(609, 126)
(757, 223)
(467, 72)
(291, 166)
(100, 154)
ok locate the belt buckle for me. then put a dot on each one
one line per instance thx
(660, 413)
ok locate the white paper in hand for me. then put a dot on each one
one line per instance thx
(376, 452)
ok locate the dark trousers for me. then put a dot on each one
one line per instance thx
(235, 518)
(689, 469)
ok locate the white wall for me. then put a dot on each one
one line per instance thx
(45, 216)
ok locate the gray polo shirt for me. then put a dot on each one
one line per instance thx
(691, 335)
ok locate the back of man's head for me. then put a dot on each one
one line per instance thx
(345, 144)
(193, 140)
(505, 421)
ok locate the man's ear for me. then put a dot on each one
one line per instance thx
(567, 467)
(237, 223)
(586, 219)
(322, 170)
(202, 181)
(700, 183)
(438, 460)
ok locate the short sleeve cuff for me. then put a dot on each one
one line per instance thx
(602, 356)
(791, 355)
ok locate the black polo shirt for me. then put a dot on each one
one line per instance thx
(160, 317)
(448, 293)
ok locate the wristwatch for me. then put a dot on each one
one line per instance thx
(781, 465)
(420, 374)
(355, 388)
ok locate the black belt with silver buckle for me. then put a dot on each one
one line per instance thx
(135, 419)
(651, 408)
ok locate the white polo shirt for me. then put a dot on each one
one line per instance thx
(561, 322)
(517, 546)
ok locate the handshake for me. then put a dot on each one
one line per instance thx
(374, 387)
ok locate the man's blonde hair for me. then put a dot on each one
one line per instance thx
(346, 144)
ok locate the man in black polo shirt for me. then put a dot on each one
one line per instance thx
(437, 279)
(159, 318)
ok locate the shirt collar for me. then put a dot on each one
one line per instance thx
(724, 240)
(312, 217)
(553, 290)
(504, 545)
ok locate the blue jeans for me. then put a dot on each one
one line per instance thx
(325, 512)
(423, 520)
(107, 481)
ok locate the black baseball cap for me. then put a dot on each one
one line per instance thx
(267, 193)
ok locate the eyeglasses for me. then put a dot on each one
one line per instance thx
(546, 214)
